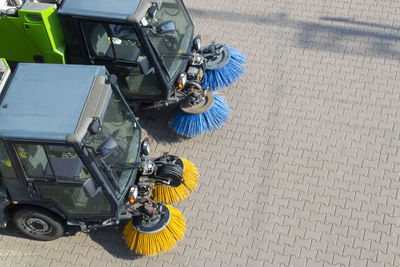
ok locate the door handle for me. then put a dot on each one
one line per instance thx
(31, 188)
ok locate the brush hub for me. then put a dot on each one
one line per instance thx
(202, 106)
(219, 59)
(158, 223)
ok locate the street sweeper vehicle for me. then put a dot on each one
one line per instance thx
(147, 44)
(71, 155)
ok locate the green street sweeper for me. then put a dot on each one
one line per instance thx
(147, 44)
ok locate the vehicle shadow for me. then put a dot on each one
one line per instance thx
(350, 37)
(109, 238)
(12, 231)
(341, 35)
(155, 123)
(112, 240)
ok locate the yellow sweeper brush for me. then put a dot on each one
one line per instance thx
(190, 179)
(157, 235)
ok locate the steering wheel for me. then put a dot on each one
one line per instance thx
(170, 41)
(177, 11)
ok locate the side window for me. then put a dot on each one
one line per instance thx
(53, 161)
(6, 168)
(98, 41)
(126, 43)
(34, 161)
(66, 164)
(113, 41)
(120, 42)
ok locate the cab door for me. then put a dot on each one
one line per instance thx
(6, 171)
(56, 174)
(118, 48)
(10, 174)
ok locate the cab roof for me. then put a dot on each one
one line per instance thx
(133, 10)
(45, 101)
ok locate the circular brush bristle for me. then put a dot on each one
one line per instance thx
(174, 194)
(156, 243)
(191, 125)
(230, 73)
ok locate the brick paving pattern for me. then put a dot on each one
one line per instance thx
(306, 172)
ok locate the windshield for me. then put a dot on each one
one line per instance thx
(118, 123)
(169, 46)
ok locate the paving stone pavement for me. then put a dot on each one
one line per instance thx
(306, 172)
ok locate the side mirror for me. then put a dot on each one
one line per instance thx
(94, 127)
(166, 27)
(107, 147)
(152, 11)
(196, 43)
(145, 147)
(90, 189)
(113, 79)
(144, 66)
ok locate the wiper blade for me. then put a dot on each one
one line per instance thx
(181, 55)
(126, 166)
(110, 174)
(160, 59)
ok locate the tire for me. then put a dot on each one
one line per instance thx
(38, 224)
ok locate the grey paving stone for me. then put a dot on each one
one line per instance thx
(305, 173)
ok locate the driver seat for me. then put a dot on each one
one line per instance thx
(100, 45)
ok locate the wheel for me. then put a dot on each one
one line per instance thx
(38, 224)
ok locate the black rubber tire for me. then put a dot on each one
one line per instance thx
(172, 171)
(56, 227)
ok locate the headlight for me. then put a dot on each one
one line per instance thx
(182, 80)
(133, 193)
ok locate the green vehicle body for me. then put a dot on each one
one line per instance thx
(33, 34)
(39, 32)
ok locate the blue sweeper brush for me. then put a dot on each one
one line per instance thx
(224, 65)
(209, 115)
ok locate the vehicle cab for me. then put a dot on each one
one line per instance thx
(147, 44)
(138, 40)
(56, 124)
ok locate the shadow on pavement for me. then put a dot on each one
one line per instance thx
(155, 122)
(11, 230)
(111, 239)
(332, 34)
